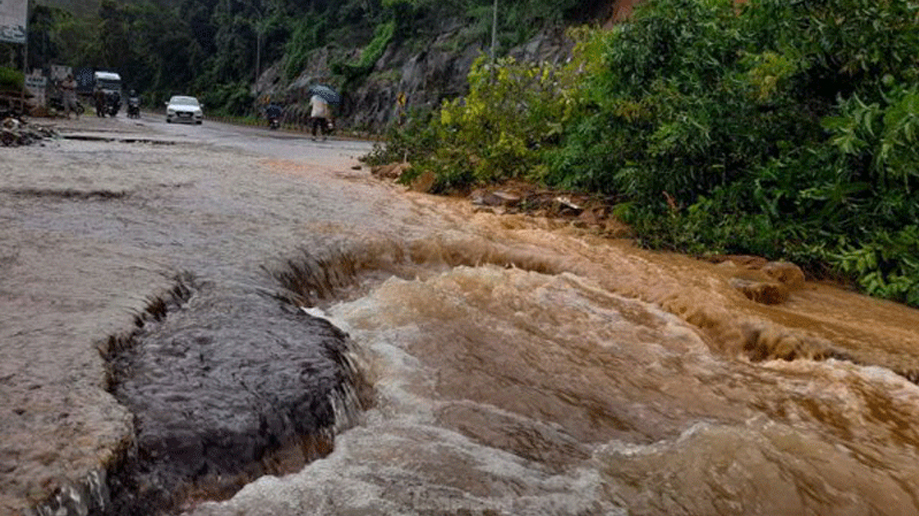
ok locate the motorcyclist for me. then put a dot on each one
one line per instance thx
(114, 102)
(273, 113)
(133, 105)
(99, 98)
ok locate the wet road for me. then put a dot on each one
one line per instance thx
(518, 365)
(97, 224)
(278, 144)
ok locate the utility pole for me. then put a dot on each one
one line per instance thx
(494, 31)
(25, 64)
(260, 28)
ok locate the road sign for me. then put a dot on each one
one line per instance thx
(36, 84)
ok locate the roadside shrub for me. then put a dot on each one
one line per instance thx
(500, 130)
(783, 129)
(512, 112)
(229, 99)
(11, 79)
(412, 141)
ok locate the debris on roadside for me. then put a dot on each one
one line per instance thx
(15, 132)
(390, 171)
(580, 210)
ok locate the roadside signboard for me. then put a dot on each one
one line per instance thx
(59, 72)
(13, 17)
(36, 84)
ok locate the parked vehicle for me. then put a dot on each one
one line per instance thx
(182, 108)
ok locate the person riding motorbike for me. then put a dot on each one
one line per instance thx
(113, 99)
(133, 105)
(273, 113)
(99, 99)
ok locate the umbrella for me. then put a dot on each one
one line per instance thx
(328, 94)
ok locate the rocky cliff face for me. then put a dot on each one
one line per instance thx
(425, 77)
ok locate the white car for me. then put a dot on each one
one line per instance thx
(181, 108)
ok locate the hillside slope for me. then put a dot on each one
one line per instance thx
(424, 73)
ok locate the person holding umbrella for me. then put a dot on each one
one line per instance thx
(321, 114)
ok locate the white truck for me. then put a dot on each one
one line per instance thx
(109, 101)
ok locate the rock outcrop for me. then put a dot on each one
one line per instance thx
(424, 77)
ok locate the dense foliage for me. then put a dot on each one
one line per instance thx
(787, 129)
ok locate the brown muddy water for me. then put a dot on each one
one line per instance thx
(355, 349)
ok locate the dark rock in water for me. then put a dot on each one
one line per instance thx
(220, 384)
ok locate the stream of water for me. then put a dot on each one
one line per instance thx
(521, 367)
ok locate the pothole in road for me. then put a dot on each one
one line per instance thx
(225, 385)
(229, 383)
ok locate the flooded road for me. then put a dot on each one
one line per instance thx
(420, 356)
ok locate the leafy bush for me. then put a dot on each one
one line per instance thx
(513, 112)
(787, 130)
(229, 99)
(410, 142)
(11, 79)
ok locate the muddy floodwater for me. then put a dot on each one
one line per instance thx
(223, 321)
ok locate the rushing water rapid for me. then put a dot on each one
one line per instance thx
(504, 365)
(522, 367)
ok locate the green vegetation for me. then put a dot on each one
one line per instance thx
(498, 131)
(786, 129)
(353, 72)
(10, 80)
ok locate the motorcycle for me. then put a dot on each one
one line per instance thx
(57, 103)
(133, 107)
(114, 103)
(273, 114)
(107, 104)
